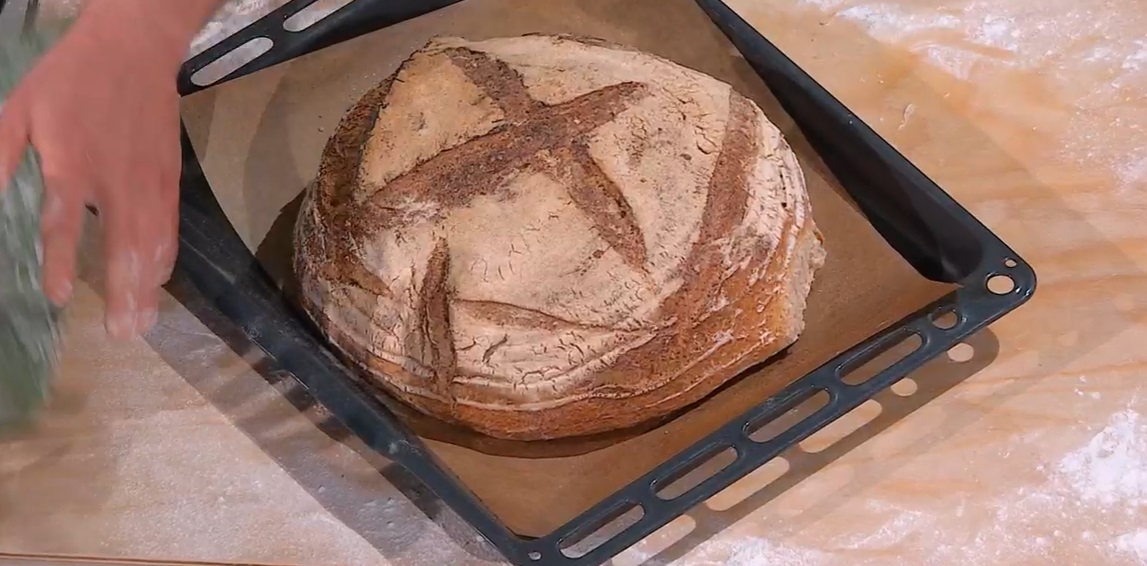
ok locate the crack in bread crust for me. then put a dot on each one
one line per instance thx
(434, 313)
(727, 313)
(504, 314)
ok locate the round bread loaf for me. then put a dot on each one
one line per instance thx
(547, 236)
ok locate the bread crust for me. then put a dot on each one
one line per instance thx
(722, 275)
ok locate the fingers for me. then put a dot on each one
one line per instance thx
(13, 140)
(125, 266)
(126, 295)
(61, 227)
(139, 244)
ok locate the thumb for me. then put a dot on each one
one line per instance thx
(13, 141)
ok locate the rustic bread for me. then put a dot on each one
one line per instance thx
(539, 237)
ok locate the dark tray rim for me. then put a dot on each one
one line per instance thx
(216, 262)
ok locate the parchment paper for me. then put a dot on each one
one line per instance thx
(259, 139)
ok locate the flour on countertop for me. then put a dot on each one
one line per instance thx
(725, 550)
(1134, 544)
(1112, 469)
(1093, 499)
(1096, 60)
(1102, 484)
(752, 551)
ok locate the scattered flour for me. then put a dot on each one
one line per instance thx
(1102, 485)
(1134, 544)
(752, 551)
(725, 550)
(1090, 507)
(1112, 469)
(1094, 60)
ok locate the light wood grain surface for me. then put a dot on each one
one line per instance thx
(1033, 451)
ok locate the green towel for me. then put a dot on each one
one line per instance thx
(29, 323)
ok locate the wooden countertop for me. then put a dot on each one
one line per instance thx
(1034, 451)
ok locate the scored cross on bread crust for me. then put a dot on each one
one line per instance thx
(540, 236)
(531, 137)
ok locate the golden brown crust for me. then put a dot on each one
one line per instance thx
(680, 364)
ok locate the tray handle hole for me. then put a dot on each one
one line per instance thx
(585, 540)
(749, 485)
(694, 473)
(1001, 284)
(231, 61)
(313, 14)
(842, 428)
(777, 422)
(878, 359)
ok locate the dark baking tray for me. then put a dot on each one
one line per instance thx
(933, 232)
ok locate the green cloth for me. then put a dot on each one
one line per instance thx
(29, 323)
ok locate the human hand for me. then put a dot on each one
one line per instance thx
(102, 110)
